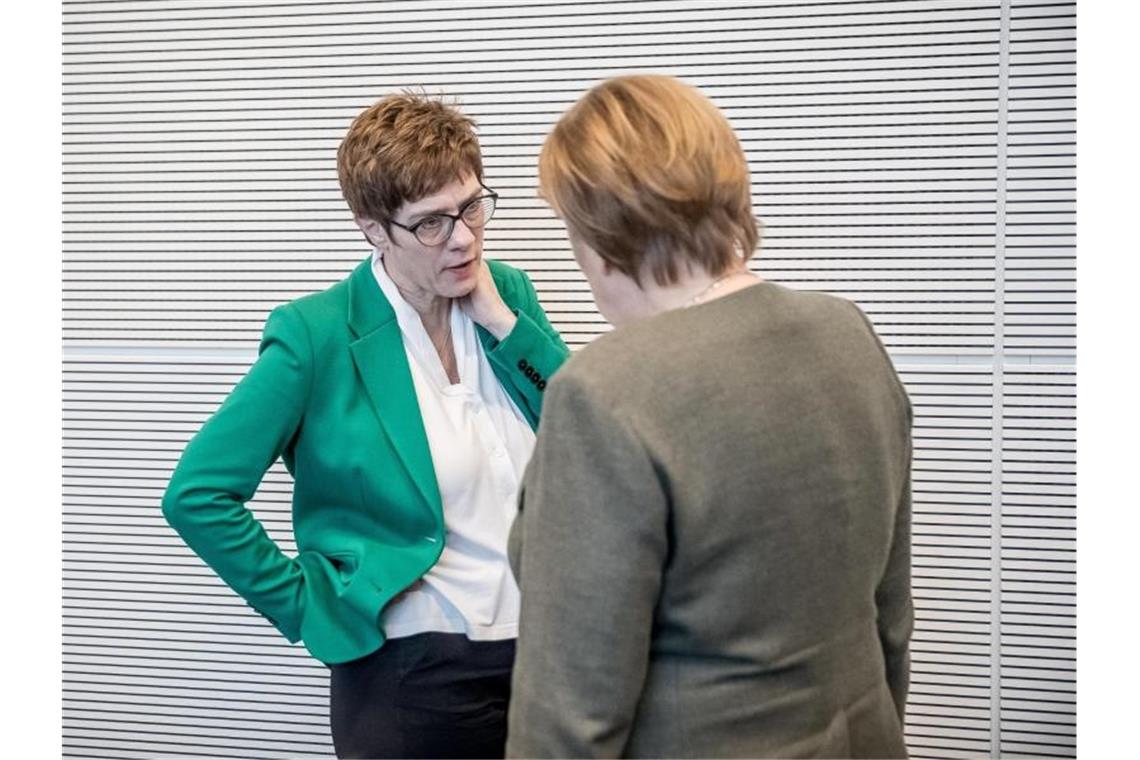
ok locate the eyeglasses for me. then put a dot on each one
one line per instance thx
(435, 229)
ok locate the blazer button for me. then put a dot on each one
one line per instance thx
(542, 385)
(529, 373)
(523, 365)
(537, 378)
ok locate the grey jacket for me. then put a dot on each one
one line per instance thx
(714, 540)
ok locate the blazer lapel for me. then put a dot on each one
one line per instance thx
(378, 352)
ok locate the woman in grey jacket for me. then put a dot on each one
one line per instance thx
(713, 546)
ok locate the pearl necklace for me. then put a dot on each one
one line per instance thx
(711, 287)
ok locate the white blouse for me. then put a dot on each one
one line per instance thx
(480, 444)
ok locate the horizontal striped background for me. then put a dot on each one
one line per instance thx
(916, 156)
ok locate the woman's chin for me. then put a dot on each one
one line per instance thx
(456, 287)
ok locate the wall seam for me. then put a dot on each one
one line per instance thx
(998, 432)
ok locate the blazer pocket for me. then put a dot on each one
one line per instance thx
(337, 579)
(345, 563)
(358, 588)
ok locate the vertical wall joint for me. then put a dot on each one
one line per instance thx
(999, 378)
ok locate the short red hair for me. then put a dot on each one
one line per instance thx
(402, 148)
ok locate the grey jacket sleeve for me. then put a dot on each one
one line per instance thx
(893, 594)
(588, 548)
(895, 606)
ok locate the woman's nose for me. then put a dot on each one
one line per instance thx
(461, 235)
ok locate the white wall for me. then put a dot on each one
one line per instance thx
(916, 156)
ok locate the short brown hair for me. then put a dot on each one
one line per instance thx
(402, 148)
(648, 172)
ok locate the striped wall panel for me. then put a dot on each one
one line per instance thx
(950, 710)
(1038, 563)
(159, 656)
(1040, 272)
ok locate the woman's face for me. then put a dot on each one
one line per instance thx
(618, 297)
(447, 270)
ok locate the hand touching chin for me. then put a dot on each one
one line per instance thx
(486, 307)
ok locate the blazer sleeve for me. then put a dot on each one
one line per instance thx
(893, 595)
(588, 548)
(894, 602)
(533, 351)
(225, 461)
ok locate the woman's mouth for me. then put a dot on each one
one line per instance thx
(462, 268)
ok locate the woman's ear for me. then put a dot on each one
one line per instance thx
(374, 233)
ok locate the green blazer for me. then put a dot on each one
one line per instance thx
(331, 394)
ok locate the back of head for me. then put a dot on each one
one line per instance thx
(402, 148)
(648, 172)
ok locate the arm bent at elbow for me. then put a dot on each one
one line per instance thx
(222, 467)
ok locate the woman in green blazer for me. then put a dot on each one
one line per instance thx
(375, 401)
